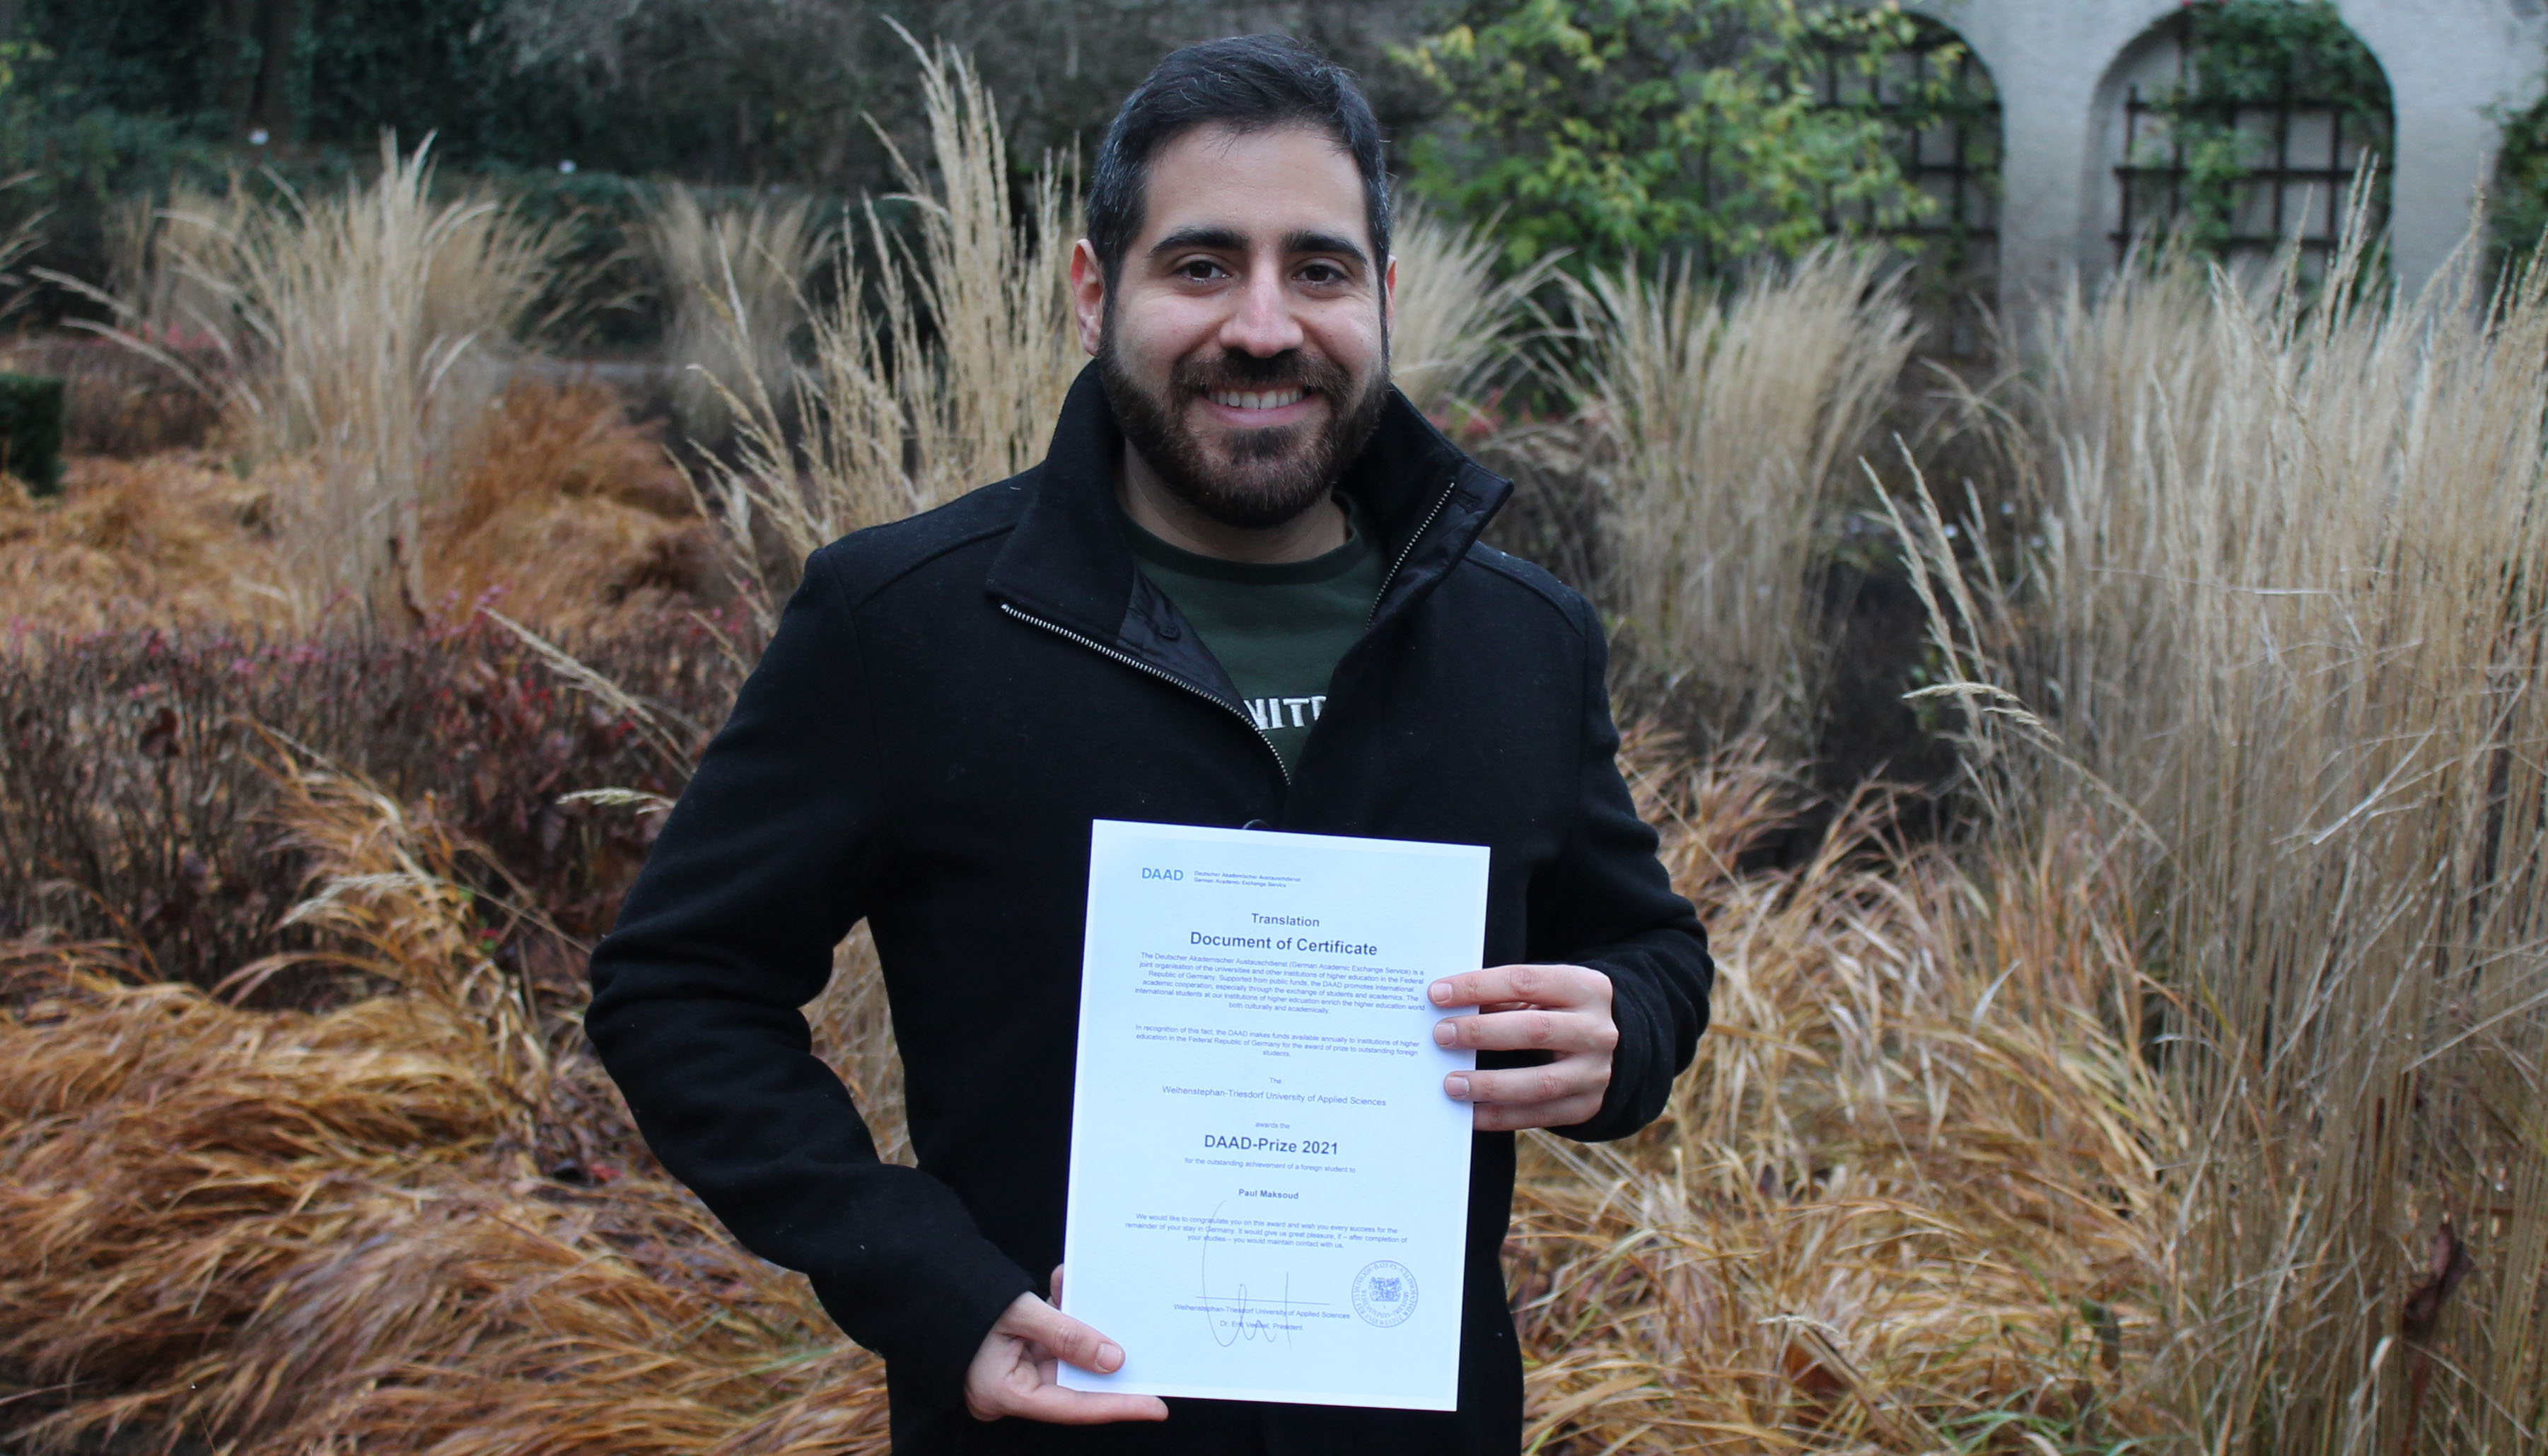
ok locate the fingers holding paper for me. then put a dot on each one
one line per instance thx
(1012, 1373)
(1562, 1010)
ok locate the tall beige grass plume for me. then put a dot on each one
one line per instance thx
(994, 282)
(369, 330)
(171, 305)
(734, 279)
(1456, 322)
(2287, 607)
(940, 362)
(1722, 427)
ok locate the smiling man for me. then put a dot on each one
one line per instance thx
(1244, 589)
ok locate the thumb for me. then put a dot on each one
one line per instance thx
(1074, 1343)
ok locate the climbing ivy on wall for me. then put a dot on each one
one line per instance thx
(2249, 55)
(2520, 203)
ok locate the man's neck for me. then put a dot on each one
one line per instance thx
(1148, 504)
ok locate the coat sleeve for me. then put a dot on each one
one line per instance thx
(1607, 903)
(763, 867)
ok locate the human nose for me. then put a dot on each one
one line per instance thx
(1262, 324)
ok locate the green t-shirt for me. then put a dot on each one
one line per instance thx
(1277, 630)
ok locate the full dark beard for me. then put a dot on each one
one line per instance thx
(1271, 475)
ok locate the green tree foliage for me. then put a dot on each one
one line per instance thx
(1613, 127)
(335, 73)
(108, 100)
(712, 91)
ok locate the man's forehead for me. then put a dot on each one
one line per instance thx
(1267, 185)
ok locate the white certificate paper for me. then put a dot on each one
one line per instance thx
(1269, 1190)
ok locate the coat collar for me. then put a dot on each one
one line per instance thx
(1066, 562)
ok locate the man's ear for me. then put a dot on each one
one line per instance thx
(1389, 295)
(1088, 294)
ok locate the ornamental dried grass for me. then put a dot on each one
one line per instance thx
(364, 335)
(1910, 1196)
(1457, 324)
(1721, 426)
(567, 517)
(936, 367)
(2287, 625)
(563, 512)
(173, 541)
(1913, 1147)
(754, 260)
(297, 1232)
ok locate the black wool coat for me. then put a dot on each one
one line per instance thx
(948, 702)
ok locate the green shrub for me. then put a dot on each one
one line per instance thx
(2521, 200)
(31, 431)
(1616, 128)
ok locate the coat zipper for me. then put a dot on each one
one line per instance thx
(1164, 675)
(1448, 491)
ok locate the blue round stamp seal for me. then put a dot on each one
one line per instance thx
(1383, 1293)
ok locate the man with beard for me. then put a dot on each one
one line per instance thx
(1244, 589)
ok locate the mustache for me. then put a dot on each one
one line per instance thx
(1248, 372)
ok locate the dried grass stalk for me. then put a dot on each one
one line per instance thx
(938, 371)
(1458, 325)
(1723, 427)
(174, 541)
(752, 260)
(993, 282)
(415, 1223)
(365, 333)
(157, 296)
(2288, 606)
(1918, 1144)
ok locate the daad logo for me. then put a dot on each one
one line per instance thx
(1149, 874)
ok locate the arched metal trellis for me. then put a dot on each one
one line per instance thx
(1942, 121)
(2251, 172)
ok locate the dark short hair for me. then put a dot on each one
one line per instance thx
(1246, 83)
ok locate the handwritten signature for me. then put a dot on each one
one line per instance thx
(1231, 1319)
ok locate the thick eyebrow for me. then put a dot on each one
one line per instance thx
(1230, 241)
(1216, 239)
(1325, 242)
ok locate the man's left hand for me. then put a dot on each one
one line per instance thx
(1562, 1010)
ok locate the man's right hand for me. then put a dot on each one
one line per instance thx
(1012, 1373)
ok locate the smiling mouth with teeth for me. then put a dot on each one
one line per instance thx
(1269, 399)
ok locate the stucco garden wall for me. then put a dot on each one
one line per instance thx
(2058, 65)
